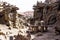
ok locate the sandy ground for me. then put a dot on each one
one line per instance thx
(50, 35)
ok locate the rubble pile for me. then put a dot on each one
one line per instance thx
(11, 23)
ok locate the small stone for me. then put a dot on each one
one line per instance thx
(57, 39)
(40, 34)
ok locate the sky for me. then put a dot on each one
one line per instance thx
(23, 5)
